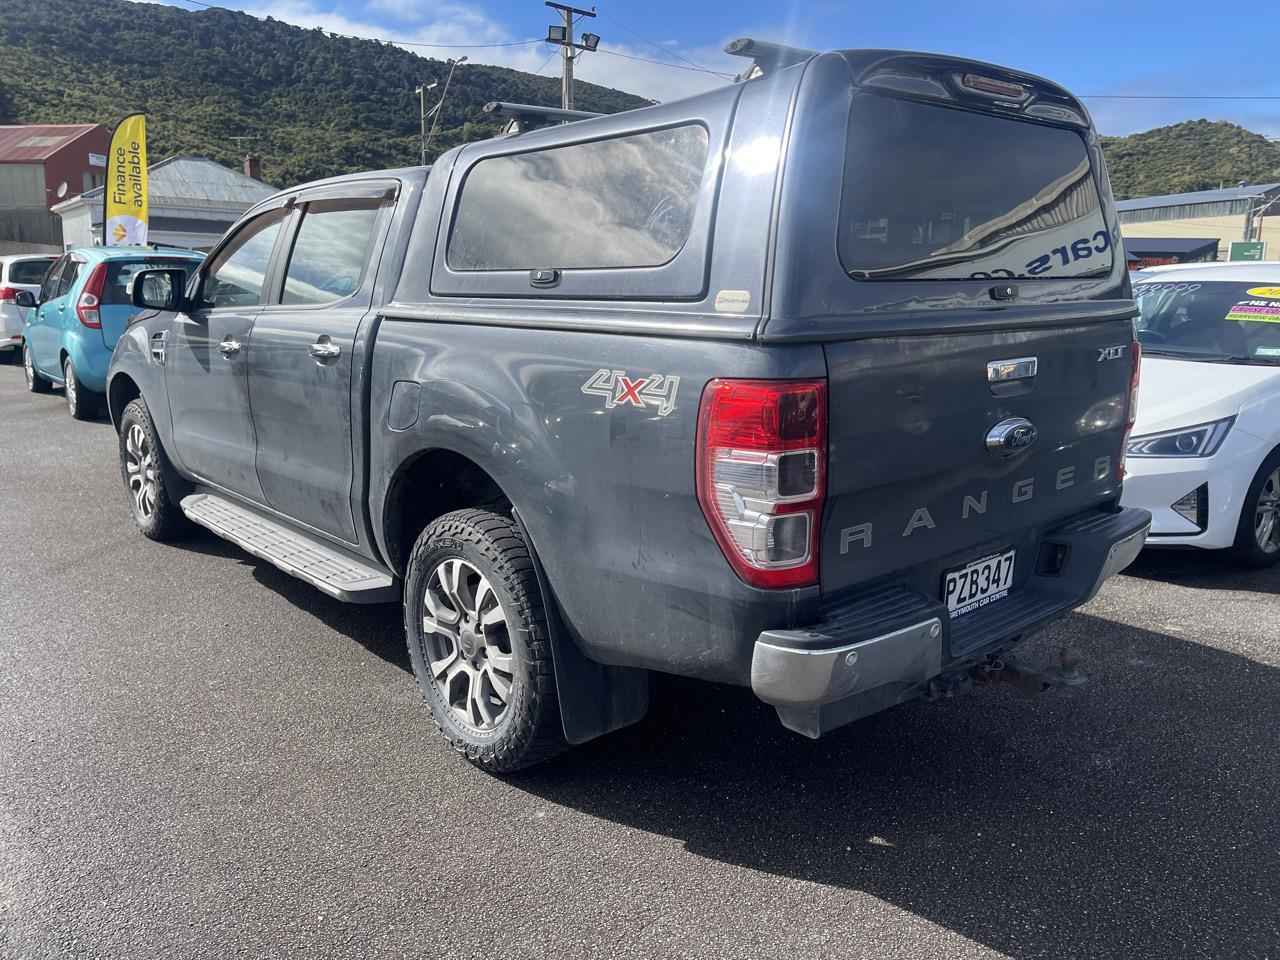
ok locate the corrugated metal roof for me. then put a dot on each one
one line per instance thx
(195, 181)
(34, 142)
(1199, 196)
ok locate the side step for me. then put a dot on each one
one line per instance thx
(318, 563)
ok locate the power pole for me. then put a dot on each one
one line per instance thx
(439, 107)
(563, 36)
(421, 90)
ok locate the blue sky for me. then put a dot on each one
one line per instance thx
(1172, 48)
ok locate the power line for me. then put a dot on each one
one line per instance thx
(662, 63)
(662, 47)
(1163, 96)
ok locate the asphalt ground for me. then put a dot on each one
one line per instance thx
(201, 757)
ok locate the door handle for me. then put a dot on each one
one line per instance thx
(229, 347)
(324, 349)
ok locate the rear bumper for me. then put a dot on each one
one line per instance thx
(880, 648)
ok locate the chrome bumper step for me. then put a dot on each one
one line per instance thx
(318, 563)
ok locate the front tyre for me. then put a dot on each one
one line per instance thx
(35, 382)
(479, 642)
(81, 403)
(1258, 535)
(143, 468)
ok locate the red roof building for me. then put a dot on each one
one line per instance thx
(42, 164)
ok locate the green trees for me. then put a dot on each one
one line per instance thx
(322, 104)
(1194, 155)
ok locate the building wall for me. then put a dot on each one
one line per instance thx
(1226, 229)
(25, 219)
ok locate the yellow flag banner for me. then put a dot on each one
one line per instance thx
(124, 221)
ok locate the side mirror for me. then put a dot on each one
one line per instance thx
(25, 299)
(159, 289)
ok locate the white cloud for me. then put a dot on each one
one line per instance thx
(456, 23)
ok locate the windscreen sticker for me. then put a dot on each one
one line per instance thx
(1270, 292)
(1254, 311)
(1267, 352)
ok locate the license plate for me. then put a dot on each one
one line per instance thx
(980, 583)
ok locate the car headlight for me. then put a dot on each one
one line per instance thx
(1200, 441)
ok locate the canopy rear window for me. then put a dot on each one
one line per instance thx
(939, 193)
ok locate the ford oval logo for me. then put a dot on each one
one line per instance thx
(1010, 436)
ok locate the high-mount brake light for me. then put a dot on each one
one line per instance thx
(991, 87)
(761, 475)
(91, 297)
(1131, 418)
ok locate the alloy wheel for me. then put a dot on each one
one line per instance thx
(1266, 527)
(28, 367)
(69, 387)
(140, 468)
(468, 644)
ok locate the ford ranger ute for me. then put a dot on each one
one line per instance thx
(818, 383)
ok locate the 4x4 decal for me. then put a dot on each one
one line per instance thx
(655, 390)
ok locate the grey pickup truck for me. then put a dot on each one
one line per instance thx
(818, 383)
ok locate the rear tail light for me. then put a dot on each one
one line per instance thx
(91, 297)
(1132, 415)
(8, 294)
(762, 451)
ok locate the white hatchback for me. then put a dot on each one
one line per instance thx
(1204, 456)
(17, 273)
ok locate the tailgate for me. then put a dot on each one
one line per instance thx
(912, 483)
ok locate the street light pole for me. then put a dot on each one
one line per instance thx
(421, 91)
(439, 107)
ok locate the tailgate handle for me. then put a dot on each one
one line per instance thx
(1021, 368)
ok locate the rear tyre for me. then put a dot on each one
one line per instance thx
(479, 642)
(1258, 535)
(82, 404)
(145, 470)
(35, 382)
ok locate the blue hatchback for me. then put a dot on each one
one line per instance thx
(82, 308)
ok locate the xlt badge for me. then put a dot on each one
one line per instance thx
(1111, 353)
(1010, 436)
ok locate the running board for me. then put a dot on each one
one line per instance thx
(318, 563)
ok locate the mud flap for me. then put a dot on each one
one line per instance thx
(595, 699)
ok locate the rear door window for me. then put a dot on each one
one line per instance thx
(623, 202)
(28, 271)
(49, 286)
(70, 273)
(330, 251)
(939, 193)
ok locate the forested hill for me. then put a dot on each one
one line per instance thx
(1195, 155)
(322, 104)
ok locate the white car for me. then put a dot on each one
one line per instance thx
(1204, 455)
(17, 273)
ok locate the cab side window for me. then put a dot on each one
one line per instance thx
(330, 253)
(238, 274)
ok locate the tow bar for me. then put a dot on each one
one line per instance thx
(1033, 679)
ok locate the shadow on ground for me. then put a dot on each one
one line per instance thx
(1135, 819)
(1203, 568)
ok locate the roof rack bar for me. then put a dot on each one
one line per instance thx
(767, 56)
(529, 116)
